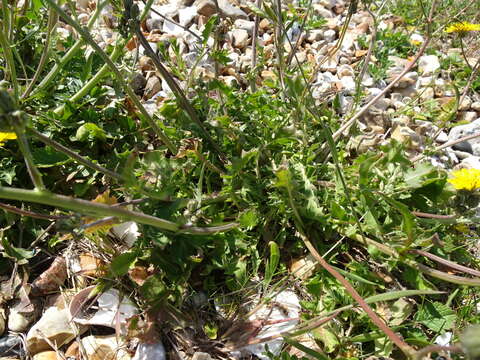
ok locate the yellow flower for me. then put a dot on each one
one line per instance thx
(462, 27)
(466, 179)
(4, 136)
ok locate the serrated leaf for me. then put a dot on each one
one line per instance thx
(436, 316)
(19, 254)
(122, 263)
(47, 157)
(415, 178)
(249, 219)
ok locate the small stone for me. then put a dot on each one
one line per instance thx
(152, 87)
(476, 106)
(201, 356)
(245, 25)
(240, 38)
(471, 162)
(442, 137)
(155, 351)
(82, 4)
(465, 104)
(303, 268)
(54, 325)
(426, 81)
(348, 84)
(154, 24)
(407, 136)
(329, 35)
(268, 74)
(208, 8)
(428, 64)
(186, 15)
(314, 35)
(324, 13)
(138, 82)
(427, 93)
(18, 321)
(145, 64)
(264, 24)
(47, 355)
(467, 116)
(344, 70)
(461, 131)
(104, 348)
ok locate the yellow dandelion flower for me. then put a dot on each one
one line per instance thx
(5, 136)
(462, 27)
(466, 179)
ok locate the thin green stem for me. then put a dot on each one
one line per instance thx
(104, 70)
(119, 76)
(70, 54)
(84, 207)
(52, 19)
(35, 175)
(59, 147)
(102, 210)
(7, 52)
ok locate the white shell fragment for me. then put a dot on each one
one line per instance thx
(127, 232)
(284, 306)
(113, 309)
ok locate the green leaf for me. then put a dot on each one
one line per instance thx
(415, 178)
(408, 219)
(122, 263)
(19, 254)
(48, 157)
(249, 219)
(90, 132)
(436, 316)
(208, 28)
(272, 263)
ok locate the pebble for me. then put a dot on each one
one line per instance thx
(460, 131)
(329, 35)
(17, 321)
(476, 106)
(245, 25)
(104, 348)
(407, 136)
(348, 84)
(54, 325)
(465, 104)
(138, 81)
(208, 8)
(240, 38)
(467, 116)
(186, 15)
(471, 162)
(428, 64)
(152, 87)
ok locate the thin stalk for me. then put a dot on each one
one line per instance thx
(102, 210)
(178, 92)
(84, 207)
(104, 70)
(35, 175)
(119, 76)
(59, 147)
(279, 42)
(52, 19)
(71, 53)
(415, 265)
(253, 82)
(406, 349)
(7, 53)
